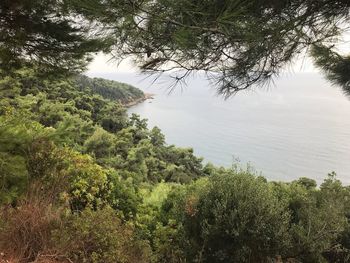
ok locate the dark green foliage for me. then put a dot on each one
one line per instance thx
(318, 218)
(157, 138)
(335, 66)
(242, 222)
(110, 89)
(109, 117)
(237, 43)
(232, 217)
(307, 182)
(44, 32)
(123, 196)
(65, 111)
(13, 177)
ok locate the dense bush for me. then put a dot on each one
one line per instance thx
(232, 217)
(235, 216)
(99, 236)
(38, 232)
(25, 232)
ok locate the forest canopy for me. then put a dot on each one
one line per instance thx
(84, 182)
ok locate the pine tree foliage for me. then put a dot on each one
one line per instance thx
(335, 66)
(46, 32)
(237, 43)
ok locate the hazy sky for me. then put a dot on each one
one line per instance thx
(104, 64)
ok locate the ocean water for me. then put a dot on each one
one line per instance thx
(298, 126)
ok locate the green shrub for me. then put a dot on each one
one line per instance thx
(318, 218)
(232, 217)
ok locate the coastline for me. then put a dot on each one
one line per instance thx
(146, 96)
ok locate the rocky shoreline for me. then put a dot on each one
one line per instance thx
(147, 96)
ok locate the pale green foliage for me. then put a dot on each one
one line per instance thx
(234, 216)
(89, 185)
(244, 220)
(74, 130)
(158, 193)
(100, 144)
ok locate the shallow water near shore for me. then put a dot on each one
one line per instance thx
(300, 126)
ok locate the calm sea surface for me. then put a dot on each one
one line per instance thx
(300, 126)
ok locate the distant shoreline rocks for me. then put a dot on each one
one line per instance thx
(147, 96)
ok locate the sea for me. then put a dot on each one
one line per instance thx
(297, 126)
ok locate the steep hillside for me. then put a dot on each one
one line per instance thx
(110, 89)
(81, 181)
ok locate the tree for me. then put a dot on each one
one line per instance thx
(335, 66)
(45, 32)
(100, 144)
(157, 138)
(237, 43)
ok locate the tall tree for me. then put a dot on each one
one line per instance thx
(46, 32)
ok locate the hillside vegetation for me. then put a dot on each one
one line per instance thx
(109, 89)
(83, 182)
